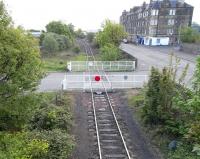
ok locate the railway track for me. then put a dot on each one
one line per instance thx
(103, 122)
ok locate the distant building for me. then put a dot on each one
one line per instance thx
(36, 34)
(157, 23)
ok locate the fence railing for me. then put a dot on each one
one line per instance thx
(83, 82)
(79, 66)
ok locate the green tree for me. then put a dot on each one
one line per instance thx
(189, 35)
(80, 33)
(63, 42)
(71, 28)
(112, 33)
(196, 26)
(197, 77)
(49, 43)
(53, 42)
(90, 36)
(150, 111)
(5, 19)
(20, 64)
(110, 52)
(60, 28)
(20, 145)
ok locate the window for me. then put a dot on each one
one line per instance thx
(171, 22)
(154, 12)
(145, 14)
(154, 22)
(139, 15)
(158, 41)
(172, 12)
(170, 31)
(152, 31)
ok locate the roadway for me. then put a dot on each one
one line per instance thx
(159, 57)
(147, 57)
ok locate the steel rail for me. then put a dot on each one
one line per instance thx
(110, 104)
(94, 111)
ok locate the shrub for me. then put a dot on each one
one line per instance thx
(183, 151)
(90, 36)
(189, 35)
(49, 43)
(76, 49)
(152, 100)
(53, 42)
(21, 146)
(112, 33)
(50, 117)
(193, 134)
(110, 52)
(137, 100)
(61, 144)
(18, 111)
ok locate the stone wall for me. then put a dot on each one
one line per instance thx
(191, 48)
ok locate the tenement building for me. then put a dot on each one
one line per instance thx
(157, 23)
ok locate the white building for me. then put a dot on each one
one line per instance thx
(156, 41)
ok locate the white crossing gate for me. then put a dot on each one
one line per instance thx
(80, 66)
(84, 81)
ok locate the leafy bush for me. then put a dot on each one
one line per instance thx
(49, 43)
(50, 117)
(63, 42)
(193, 134)
(196, 149)
(137, 100)
(183, 151)
(90, 36)
(80, 34)
(53, 42)
(76, 49)
(60, 28)
(18, 111)
(151, 113)
(20, 146)
(110, 52)
(189, 35)
(112, 33)
(61, 144)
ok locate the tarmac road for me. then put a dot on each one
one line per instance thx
(159, 57)
(52, 82)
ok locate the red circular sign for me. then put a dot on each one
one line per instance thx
(97, 78)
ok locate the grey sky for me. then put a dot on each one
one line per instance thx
(86, 14)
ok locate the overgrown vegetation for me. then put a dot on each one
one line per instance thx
(44, 131)
(59, 37)
(58, 45)
(173, 111)
(90, 36)
(190, 35)
(20, 64)
(54, 64)
(109, 39)
(110, 52)
(32, 126)
(79, 34)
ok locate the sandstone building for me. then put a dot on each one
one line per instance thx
(157, 23)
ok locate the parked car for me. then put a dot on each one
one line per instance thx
(125, 41)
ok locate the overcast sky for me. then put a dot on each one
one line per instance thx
(85, 14)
